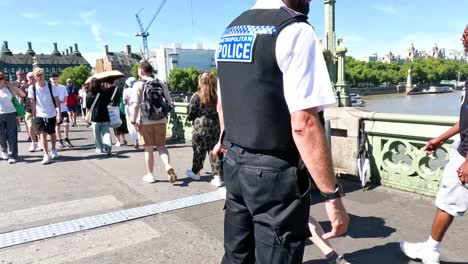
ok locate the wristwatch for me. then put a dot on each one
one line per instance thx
(338, 193)
(133, 123)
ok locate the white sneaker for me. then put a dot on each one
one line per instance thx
(4, 156)
(192, 175)
(222, 192)
(53, 154)
(118, 144)
(33, 147)
(149, 178)
(420, 251)
(99, 151)
(216, 181)
(46, 160)
(11, 161)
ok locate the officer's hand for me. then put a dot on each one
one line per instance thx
(338, 216)
(218, 149)
(432, 145)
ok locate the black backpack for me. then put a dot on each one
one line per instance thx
(154, 105)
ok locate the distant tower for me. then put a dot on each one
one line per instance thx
(330, 36)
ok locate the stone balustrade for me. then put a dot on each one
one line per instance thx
(395, 145)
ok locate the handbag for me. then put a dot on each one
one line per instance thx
(19, 108)
(89, 113)
(114, 113)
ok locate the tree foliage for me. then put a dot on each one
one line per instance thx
(359, 73)
(135, 71)
(185, 80)
(77, 74)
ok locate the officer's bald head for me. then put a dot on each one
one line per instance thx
(298, 5)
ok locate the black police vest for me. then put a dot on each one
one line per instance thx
(256, 116)
(463, 147)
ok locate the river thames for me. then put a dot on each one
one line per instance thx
(446, 104)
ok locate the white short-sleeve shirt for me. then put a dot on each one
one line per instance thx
(305, 75)
(44, 105)
(62, 93)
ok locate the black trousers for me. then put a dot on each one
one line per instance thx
(267, 209)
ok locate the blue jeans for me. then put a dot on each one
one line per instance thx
(102, 136)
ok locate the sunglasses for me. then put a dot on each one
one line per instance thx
(1, 79)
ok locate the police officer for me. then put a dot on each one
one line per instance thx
(273, 81)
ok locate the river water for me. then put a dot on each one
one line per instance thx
(445, 104)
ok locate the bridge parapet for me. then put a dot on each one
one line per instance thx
(395, 145)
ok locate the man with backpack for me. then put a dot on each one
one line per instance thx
(151, 102)
(46, 111)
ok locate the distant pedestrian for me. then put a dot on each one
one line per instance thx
(452, 199)
(8, 130)
(46, 111)
(122, 130)
(62, 95)
(202, 111)
(127, 93)
(71, 102)
(100, 96)
(28, 118)
(82, 97)
(150, 103)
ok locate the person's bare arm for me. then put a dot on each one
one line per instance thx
(435, 143)
(311, 143)
(218, 148)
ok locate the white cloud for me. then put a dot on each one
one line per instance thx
(90, 19)
(122, 34)
(52, 23)
(30, 15)
(389, 10)
(91, 57)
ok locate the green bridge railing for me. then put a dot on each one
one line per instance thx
(396, 149)
(395, 144)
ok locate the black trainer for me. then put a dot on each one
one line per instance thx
(68, 143)
(60, 143)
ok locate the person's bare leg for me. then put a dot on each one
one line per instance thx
(43, 141)
(316, 238)
(149, 159)
(164, 155)
(441, 224)
(53, 141)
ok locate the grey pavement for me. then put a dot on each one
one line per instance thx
(82, 183)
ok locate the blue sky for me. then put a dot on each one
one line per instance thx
(368, 26)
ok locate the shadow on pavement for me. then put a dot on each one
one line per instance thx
(364, 227)
(185, 182)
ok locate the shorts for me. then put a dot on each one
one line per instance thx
(71, 108)
(152, 135)
(45, 125)
(28, 118)
(453, 195)
(65, 119)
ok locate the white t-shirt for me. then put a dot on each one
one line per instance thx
(126, 95)
(44, 104)
(299, 54)
(82, 94)
(61, 92)
(6, 105)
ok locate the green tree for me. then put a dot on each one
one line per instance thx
(185, 80)
(135, 70)
(77, 74)
(214, 70)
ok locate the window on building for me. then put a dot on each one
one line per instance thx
(5, 70)
(46, 70)
(12, 70)
(27, 69)
(54, 69)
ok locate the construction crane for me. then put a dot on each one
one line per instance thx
(144, 31)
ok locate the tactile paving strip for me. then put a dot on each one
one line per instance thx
(59, 229)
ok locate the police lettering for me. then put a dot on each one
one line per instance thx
(236, 48)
